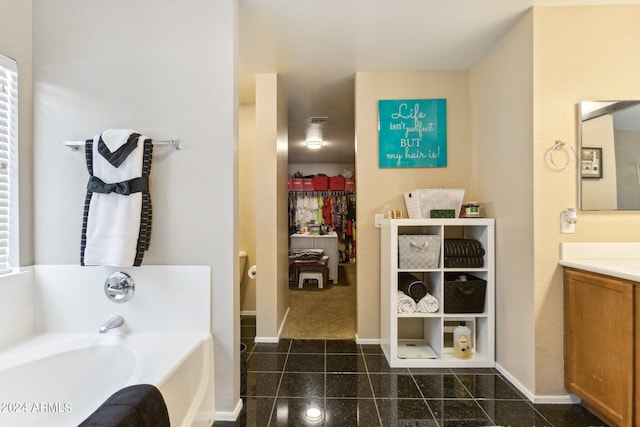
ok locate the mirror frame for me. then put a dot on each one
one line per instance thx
(584, 114)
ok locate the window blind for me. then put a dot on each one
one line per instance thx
(8, 164)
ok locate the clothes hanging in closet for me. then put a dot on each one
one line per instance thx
(337, 209)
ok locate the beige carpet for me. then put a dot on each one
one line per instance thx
(324, 313)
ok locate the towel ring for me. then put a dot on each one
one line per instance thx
(559, 145)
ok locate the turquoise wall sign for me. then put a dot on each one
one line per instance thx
(412, 133)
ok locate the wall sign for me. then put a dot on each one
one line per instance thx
(412, 133)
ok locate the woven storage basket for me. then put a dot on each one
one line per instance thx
(418, 251)
(464, 297)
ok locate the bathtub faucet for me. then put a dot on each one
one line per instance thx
(114, 322)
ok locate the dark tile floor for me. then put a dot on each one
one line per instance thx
(352, 385)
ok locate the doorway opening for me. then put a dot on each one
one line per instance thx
(322, 253)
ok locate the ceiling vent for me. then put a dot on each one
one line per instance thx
(318, 120)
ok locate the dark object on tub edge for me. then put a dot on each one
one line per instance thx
(139, 405)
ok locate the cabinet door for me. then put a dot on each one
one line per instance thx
(599, 343)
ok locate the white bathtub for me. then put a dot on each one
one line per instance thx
(60, 378)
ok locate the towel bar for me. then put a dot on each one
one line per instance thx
(175, 143)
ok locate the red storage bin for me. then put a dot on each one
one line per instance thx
(336, 183)
(320, 183)
(349, 183)
(307, 184)
(296, 184)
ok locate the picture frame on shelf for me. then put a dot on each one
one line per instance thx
(591, 162)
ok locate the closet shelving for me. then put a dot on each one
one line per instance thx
(435, 330)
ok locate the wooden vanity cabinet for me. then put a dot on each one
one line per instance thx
(600, 345)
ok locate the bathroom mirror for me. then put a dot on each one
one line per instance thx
(608, 158)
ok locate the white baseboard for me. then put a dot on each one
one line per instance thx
(367, 340)
(284, 319)
(567, 399)
(229, 416)
(248, 313)
(266, 340)
(272, 340)
(533, 398)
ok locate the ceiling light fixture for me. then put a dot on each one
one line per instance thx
(314, 133)
(313, 144)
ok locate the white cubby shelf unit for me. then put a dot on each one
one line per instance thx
(434, 331)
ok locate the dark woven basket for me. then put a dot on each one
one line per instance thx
(464, 297)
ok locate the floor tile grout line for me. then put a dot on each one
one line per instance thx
(424, 399)
(373, 394)
(532, 405)
(324, 400)
(275, 399)
(475, 400)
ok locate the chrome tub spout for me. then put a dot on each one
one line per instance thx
(114, 322)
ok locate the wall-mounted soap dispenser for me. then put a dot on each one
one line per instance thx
(568, 221)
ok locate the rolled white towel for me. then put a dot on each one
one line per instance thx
(428, 304)
(406, 304)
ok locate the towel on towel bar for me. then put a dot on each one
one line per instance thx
(406, 304)
(117, 214)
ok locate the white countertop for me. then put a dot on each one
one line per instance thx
(616, 259)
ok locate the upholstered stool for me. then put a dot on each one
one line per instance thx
(310, 275)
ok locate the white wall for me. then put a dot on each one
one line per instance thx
(502, 112)
(167, 69)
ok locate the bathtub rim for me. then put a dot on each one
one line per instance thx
(181, 347)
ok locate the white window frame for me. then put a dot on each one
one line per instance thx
(9, 202)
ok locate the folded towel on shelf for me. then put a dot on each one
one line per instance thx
(463, 253)
(412, 286)
(428, 304)
(463, 262)
(406, 304)
(463, 247)
(117, 215)
(136, 405)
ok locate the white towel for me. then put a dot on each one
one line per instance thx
(406, 304)
(112, 232)
(428, 304)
